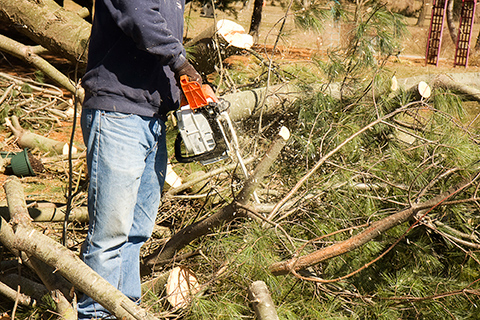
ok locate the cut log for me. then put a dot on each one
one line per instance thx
(182, 285)
(27, 139)
(279, 98)
(220, 40)
(262, 302)
(49, 212)
(49, 25)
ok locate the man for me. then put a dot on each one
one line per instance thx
(135, 58)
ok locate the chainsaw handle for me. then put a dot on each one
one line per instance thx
(197, 95)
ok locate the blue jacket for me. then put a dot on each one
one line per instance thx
(133, 48)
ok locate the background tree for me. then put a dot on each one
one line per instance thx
(256, 18)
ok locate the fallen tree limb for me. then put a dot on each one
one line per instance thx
(262, 302)
(49, 25)
(225, 214)
(20, 219)
(376, 229)
(16, 296)
(28, 287)
(27, 53)
(66, 263)
(188, 184)
(27, 139)
(320, 162)
(49, 212)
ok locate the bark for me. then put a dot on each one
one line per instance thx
(262, 302)
(28, 54)
(49, 212)
(422, 14)
(225, 214)
(27, 139)
(449, 83)
(451, 21)
(49, 25)
(14, 295)
(375, 230)
(256, 19)
(247, 103)
(65, 262)
(21, 219)
(221, 40)
(467, 84)
(28, 287)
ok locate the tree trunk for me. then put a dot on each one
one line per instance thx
(45, 22)
(451, 21)
(421, 14)
(477, 44)
(219, 41)
(256, 19)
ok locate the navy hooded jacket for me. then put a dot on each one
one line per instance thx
(134, 46)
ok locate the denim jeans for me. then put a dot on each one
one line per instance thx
(127, 160)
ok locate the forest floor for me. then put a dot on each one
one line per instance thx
(295, 45)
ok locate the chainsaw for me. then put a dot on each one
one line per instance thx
(206, 132)
(202, 122)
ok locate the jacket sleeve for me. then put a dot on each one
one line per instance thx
(154, 27)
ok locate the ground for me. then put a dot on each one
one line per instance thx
(294, 45)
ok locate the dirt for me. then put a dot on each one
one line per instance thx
(294, 45)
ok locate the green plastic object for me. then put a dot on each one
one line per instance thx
(20, 164)
(7, 154)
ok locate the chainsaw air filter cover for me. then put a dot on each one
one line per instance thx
(196, 132)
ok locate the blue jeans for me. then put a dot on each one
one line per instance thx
(127, 161)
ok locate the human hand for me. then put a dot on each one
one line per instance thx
(188, 70)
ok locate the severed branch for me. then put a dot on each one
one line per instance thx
(320, 162)
(13, 295)
(21, 219)
(27, 139)
(65, 262)
(262, 302)
(376, 229)
(28, 54)
(225, 214)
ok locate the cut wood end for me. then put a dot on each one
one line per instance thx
(234, 34)
(394, 86)
(424, 89)
(65, 149)
(284, 133)
(172, 179)
(182, 284)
